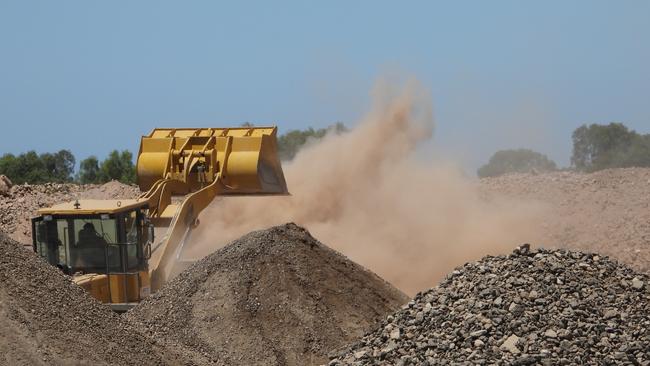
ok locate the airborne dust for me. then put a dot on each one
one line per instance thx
(367, 194)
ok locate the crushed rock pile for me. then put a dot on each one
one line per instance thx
(604, 212)
(549, 307)
(45, 319)
(21, 202)
(271, 297)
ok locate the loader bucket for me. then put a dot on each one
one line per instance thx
(245, 159)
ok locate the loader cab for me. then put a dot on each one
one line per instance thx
(99, 243)
(104, 245)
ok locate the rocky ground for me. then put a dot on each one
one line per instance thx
(272, 297)
(548, 307)
(606, 211)
(45, 319)
(19, 203)
(278, 296)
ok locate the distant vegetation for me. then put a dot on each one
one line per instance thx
(117, 166)
(59, 167)
(595, 147)
(294, 140)
(516, 161)
(33, 168)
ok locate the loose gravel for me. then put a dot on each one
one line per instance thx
(45, 319)
(548, 307)
(272, 297)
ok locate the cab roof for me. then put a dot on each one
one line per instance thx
(90, 207)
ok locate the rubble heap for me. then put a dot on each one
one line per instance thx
(553, 307)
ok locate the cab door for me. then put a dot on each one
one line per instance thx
(50, 240)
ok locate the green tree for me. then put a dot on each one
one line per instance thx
(598, 147)
(290, 142)
(516, 161)
(638, 153)
(89, 170)
(118, 166)
(8, 167)
(59, 166)
(32, 168)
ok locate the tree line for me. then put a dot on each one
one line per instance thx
(595, 147)
(294, 140)
(59, 167)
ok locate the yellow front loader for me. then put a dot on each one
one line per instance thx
(122, 250)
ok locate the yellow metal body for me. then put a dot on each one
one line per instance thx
(197, 163)
(96, 285)
(92, 207)
(127, 288)
(201, 163)
(243, 158)
(116, 288)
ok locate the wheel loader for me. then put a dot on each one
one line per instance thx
(122, 250)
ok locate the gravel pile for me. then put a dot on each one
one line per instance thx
(272, 297)
(20, 203)
(604, 212)
(549, 307)
(45, 319)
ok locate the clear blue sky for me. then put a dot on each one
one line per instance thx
(93, 76)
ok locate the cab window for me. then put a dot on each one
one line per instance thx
(90, 249)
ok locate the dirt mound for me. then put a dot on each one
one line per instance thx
(605, 212)
(552, 307)
(271, 297)
(110, 190)
(45, 319)
(22, 201)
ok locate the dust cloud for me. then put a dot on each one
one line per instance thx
(367, 194)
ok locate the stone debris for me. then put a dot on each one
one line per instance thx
(637, 284)
(595, 314)
(510, 344)
(550, 333)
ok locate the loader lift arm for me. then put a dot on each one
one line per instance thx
(201, 164)
(120, 250)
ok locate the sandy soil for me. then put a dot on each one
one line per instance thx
(606, 212)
